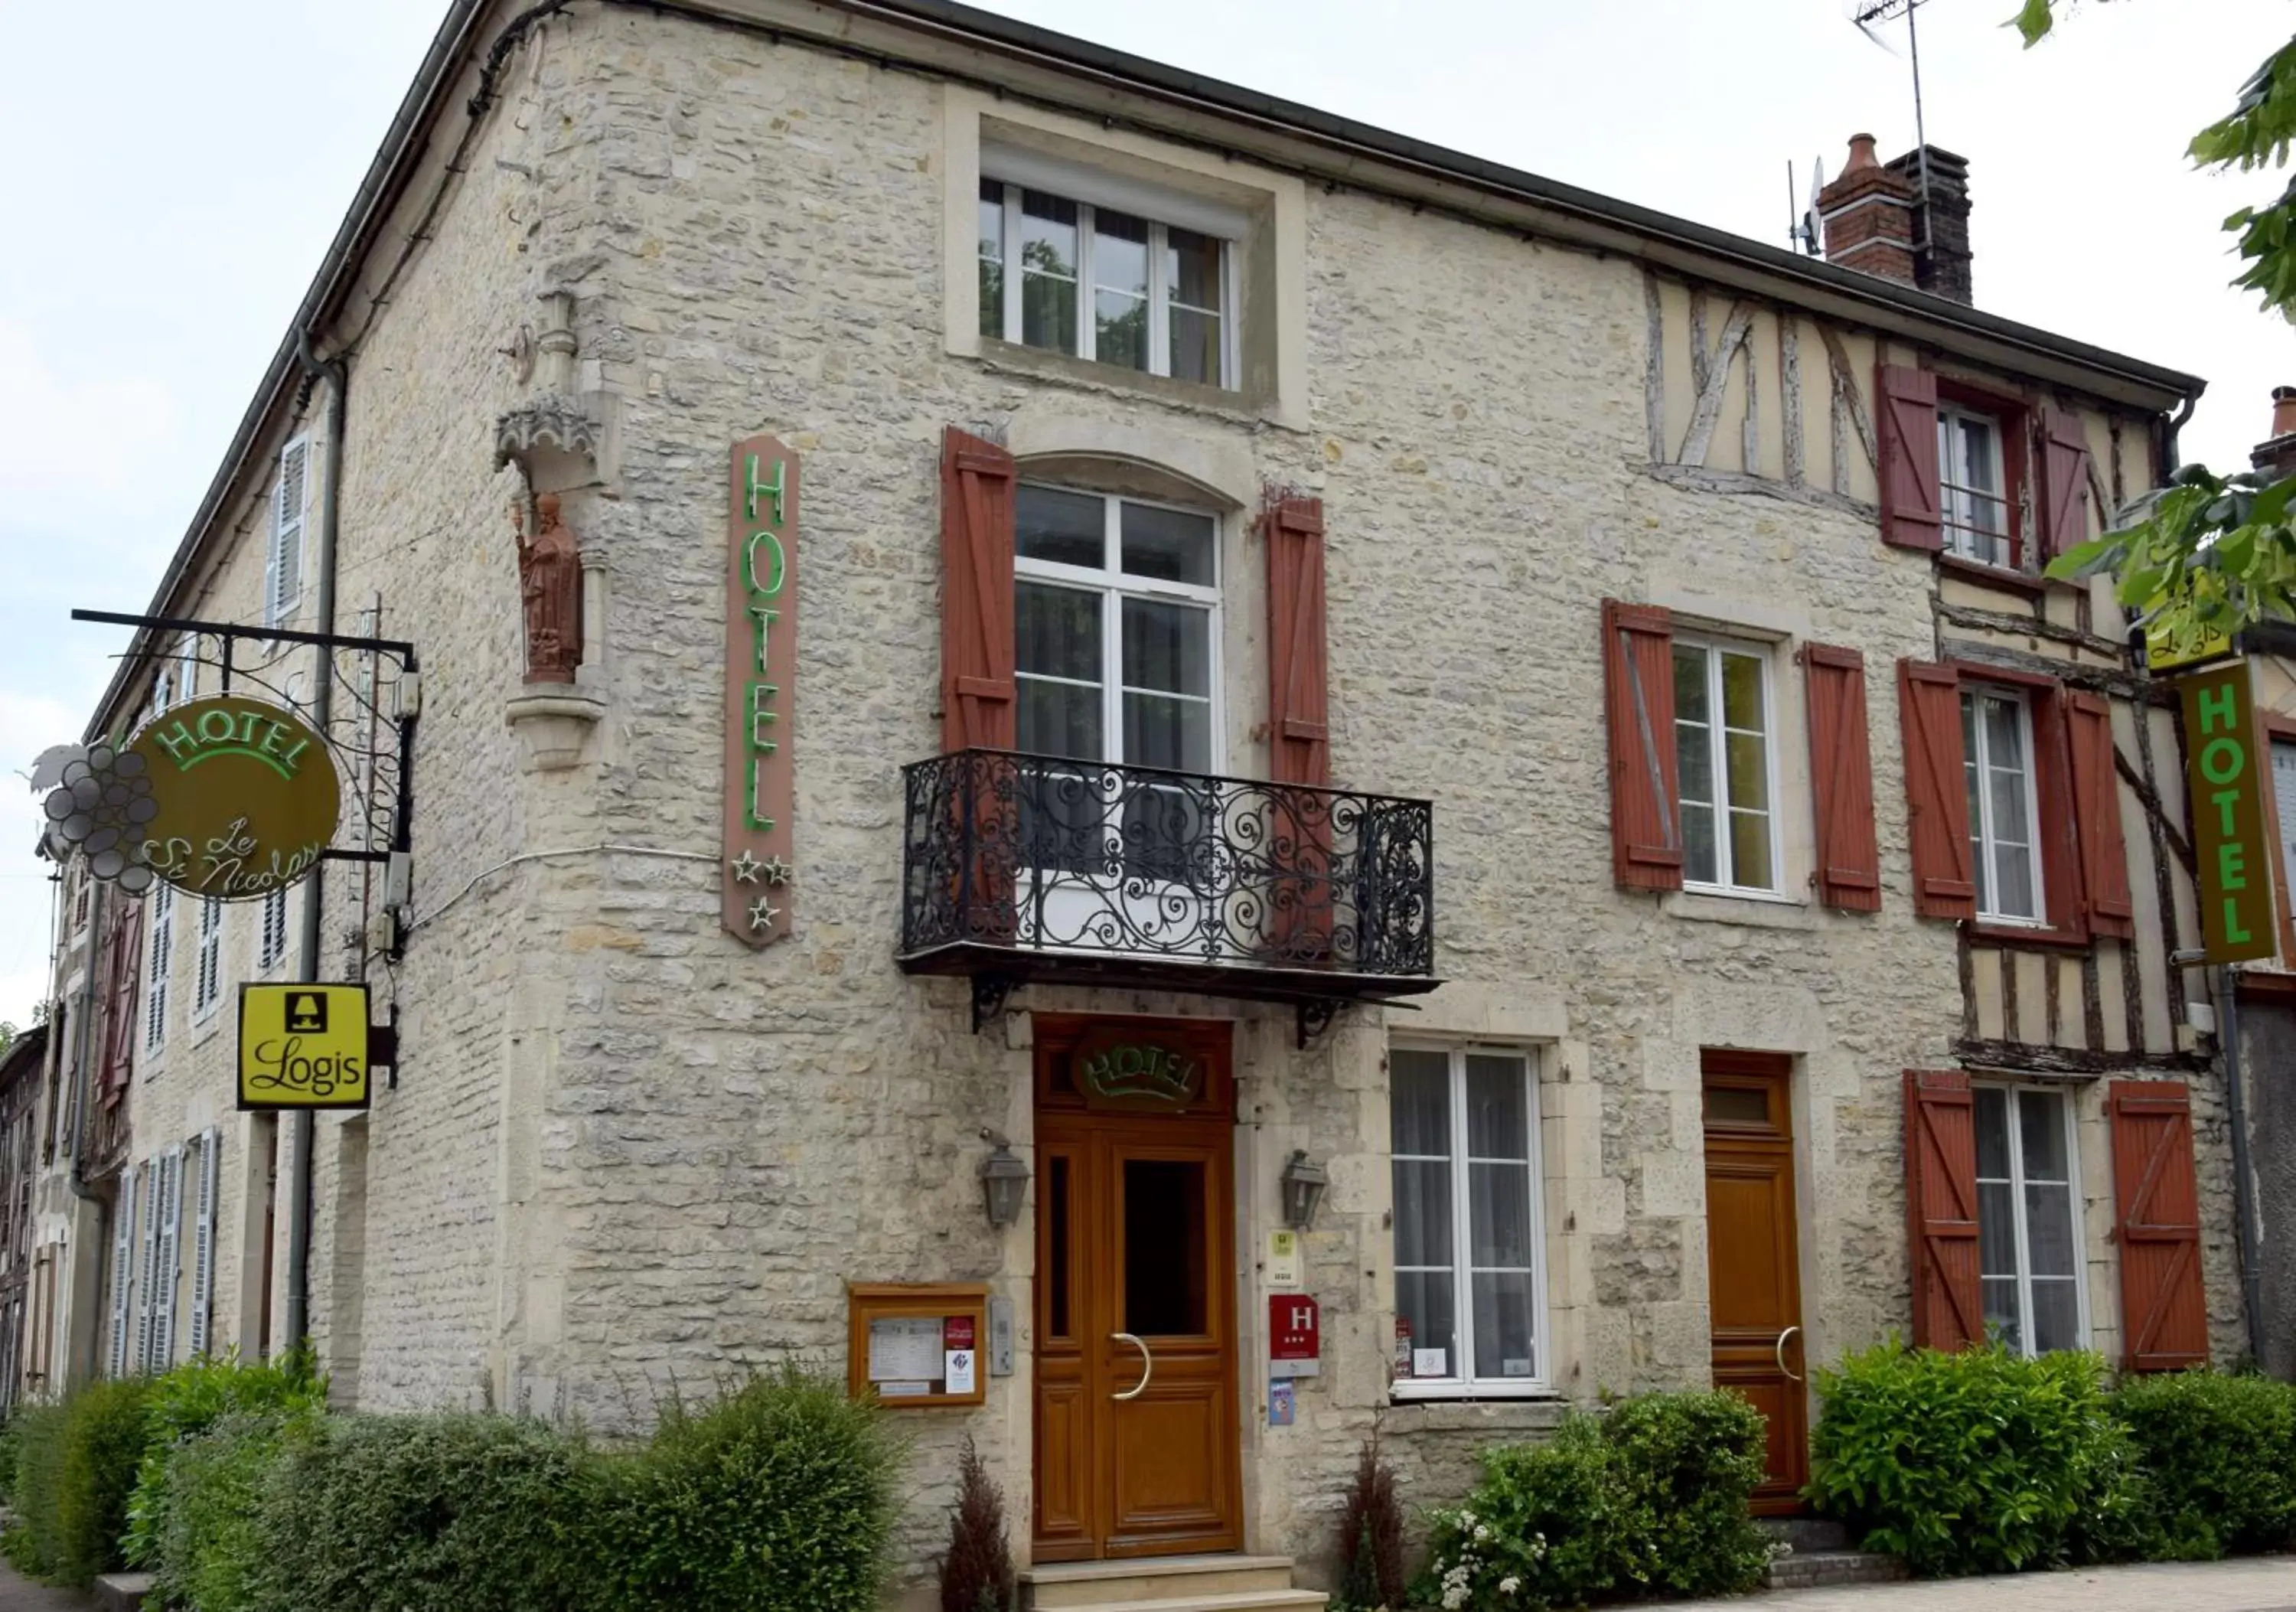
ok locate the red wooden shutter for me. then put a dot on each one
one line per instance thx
(123, 969)
(1941, 1209)
(2096, 814)
(1298, 698)
(1841, 778)
(1905, 426)
(976, 544)
(1638, 702)
(1937, 792)
(2064, 484)
(2164, 1314)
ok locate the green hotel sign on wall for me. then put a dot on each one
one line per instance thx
(757, 877)
(2227, 787)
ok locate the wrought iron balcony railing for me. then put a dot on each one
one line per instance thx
(1038, 867)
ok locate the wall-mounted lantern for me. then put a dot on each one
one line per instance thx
(1303, 1189)
(1003, 1180)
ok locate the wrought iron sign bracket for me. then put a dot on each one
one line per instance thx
(989, 991)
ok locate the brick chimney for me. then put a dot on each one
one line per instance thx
(1868, 214)
(1941, 223)
(2275, 455)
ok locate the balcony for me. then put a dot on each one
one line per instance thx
(1019, 869)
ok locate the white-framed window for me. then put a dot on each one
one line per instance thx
(1114, 278)
(273, 943)
(1470, 1249)
(206, 985)
(1973, 501)
(2005, 828)
(1723, 754)
(2284, 795)
(282, 586)
(2028, 1217)
(161, 951)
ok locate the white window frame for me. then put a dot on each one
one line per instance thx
(279, 606)
(2084, 1337)
(1961, 536)
(160, 959)
(1983, 830)
(1016, 172)
(207, 982)
(1762, 655)
(1459, 1385)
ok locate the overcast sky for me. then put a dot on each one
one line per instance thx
(173, 172)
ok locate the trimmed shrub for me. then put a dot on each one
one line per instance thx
(1651, 1497)
(1980, 1462)
(1690, 1463)
(32, 1543)
(205, 1538)
(188, 1401)
(103, 1434)
(422, 1514)
(2220, 1454)
(779, 1498)
(976, 1575)
(1370, 1538)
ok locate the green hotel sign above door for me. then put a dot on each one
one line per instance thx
(2226, 782)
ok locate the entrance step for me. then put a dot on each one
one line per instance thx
(1807, 1535)
(1822, 1569)
(1168, 1584)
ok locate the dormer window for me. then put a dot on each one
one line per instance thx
(1108, 274)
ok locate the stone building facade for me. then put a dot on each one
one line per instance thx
(1391, 471)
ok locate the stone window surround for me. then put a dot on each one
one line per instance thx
(1268, 263)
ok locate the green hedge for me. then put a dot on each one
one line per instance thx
(1650, 1498)
(2220, 1455)
(75, 1469)
(206, 1542)
(1980, 1462)
(188, 1401)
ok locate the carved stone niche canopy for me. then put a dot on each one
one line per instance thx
(561, 437)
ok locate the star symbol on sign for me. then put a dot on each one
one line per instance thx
(776, 871)
(762, 913)
(745, 869)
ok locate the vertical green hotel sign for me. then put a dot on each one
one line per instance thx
(2226, 786)
(756, 875)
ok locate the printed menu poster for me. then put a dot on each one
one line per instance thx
(905, 1350)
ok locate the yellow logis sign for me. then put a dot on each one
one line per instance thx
(248, 796)
(303, 1047)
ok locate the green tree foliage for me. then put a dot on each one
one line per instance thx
(2208, 554)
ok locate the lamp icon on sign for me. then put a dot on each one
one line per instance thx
(307, 1013)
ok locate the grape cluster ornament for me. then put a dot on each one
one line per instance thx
(101, 805)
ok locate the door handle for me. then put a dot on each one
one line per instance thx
(1791, 1375)
(1147, 1366)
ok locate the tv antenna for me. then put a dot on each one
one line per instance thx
(1865, 13)
(1804, 229)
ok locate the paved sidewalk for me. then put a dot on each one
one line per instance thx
(20, 1594)
(2255, 1584)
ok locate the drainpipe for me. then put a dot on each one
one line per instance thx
(2244, 1190)
(301, 1131)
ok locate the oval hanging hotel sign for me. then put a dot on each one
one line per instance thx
(248, 796)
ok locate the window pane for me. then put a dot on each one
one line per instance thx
(1750, 850)
(2004, 735)
(992, 258)
(1497, 1125)
(1048, 260)
(1167, 647)
(1165, 1280)
(2041, 1128)
(1119, 275)
(1056, 1215)
(2049, 1229)
(2014, 864)
(1195, 346)
(2283, 789)
(1503, 1343)
(1698, 845)
(1161, 730)
(2056, 1316)
(1997, 1229)
(1974, 468)
(1191, 277)
(1059, 719)
(1742, 694)
(1422, 1213)
(1690, 684)
(1419, 1100)
(1424, 1304)
(2001, 1310)
(1058, 631)
(1992, 1116)
(1498, 1215)
(1693, 757)
(1065, 527)
(1169, 545)
(1750, 770)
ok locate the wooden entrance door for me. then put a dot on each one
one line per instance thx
(1753, 1259)
(1138, 1442)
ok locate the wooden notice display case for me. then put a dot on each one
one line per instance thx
(918, 1345)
